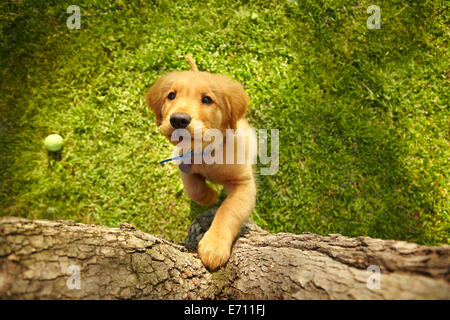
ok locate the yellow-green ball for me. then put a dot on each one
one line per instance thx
(54, 142)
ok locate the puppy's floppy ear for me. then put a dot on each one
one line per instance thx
(155, 96)
(237, 101)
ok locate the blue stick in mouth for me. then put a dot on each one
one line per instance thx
(186, 155)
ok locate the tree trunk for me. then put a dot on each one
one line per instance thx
(42, 259)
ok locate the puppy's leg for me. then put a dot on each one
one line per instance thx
(197, 189)
(215, 246)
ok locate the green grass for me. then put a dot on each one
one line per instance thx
(363, 114)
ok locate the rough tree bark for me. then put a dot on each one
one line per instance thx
(124, 263)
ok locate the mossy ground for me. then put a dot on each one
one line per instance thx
(363, 114)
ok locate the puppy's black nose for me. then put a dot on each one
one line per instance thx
(180, 120)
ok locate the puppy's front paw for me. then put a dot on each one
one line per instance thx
(214, 250)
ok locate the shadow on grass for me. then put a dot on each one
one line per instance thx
(26, 28)
(354, 131)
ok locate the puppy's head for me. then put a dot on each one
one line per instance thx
(182, 100)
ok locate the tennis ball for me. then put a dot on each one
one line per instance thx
(54, 142)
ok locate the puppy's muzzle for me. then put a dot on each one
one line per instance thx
(180, 120)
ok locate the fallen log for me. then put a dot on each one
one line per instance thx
(41, 259)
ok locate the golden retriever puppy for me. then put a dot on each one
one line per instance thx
(192, 99)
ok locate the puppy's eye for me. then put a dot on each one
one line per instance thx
(207, 100)
(171, 96)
